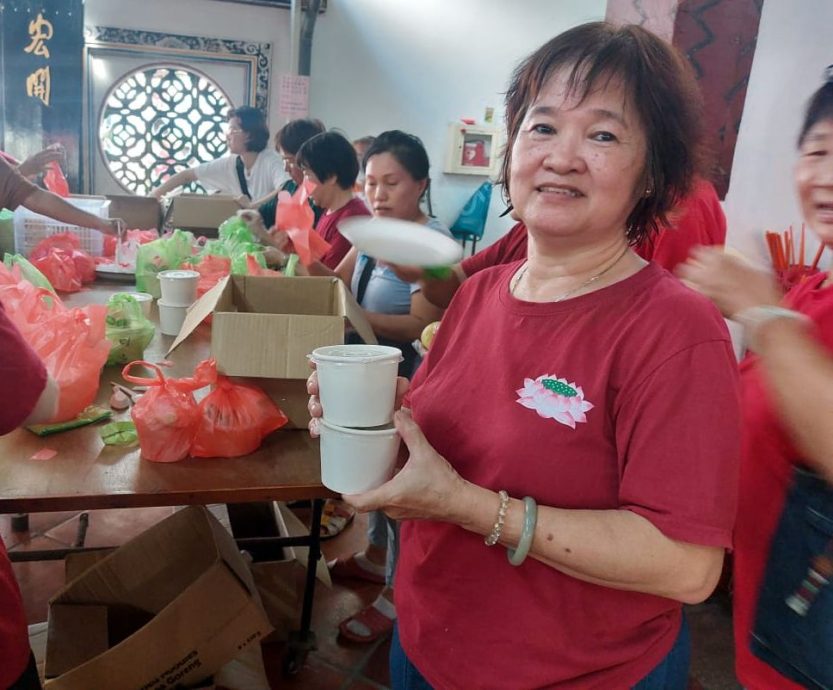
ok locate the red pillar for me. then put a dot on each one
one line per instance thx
(718, 37)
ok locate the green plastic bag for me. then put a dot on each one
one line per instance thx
(28, 271)
(236, 242)
(161, 255)
(127, 328)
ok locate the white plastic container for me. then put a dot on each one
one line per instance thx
(143, 298)
(179, 287)
(356, 460)
(171, 317)
(357, 383)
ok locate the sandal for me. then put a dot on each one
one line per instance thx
(374, 620)
(335, 517)
(349, 568)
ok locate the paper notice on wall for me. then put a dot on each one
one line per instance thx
(294, 96)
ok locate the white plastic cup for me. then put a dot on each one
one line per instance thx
(357, 383)
(356, 460)
(179, 287)
(145, 299)
(171, 317)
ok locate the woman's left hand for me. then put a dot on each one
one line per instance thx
(426, 488)
(730, 283)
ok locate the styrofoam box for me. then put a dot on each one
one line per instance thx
(30, 227)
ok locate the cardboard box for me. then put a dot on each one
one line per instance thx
(200, 213)
(168, 608)
(138, 212)
(264, 327)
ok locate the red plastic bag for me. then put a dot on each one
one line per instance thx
(167, 416)
(61, 259)
(234, 419)
(135, 236)
(54, 180)
(294, 216)
(70, 342)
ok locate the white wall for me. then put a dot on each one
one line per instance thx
(793, 49)
(418, 66)
(204, 18)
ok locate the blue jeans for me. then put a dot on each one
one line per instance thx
(383, 532)
(670, 674)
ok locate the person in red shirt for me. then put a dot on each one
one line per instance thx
(29, 396)
(329, 162)
(787, 402)
(698, 221)
(579, 407)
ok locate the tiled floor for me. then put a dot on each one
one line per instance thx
(336, 664)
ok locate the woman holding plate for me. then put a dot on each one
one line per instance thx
(579, 408)
(396, 168)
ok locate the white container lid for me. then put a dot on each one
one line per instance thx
(356, 354)
(178, 274)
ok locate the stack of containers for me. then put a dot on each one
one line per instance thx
(357, 389)
(179, 291)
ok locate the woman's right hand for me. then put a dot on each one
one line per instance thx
(314, 404)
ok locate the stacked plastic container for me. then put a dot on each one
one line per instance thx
(357, 388)
(179, 291)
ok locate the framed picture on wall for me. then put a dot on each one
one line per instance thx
(473, 150)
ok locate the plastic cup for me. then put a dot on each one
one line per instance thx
(179, 287)
(356, 460)
(357, 383)
(171, 317)
(145, 299)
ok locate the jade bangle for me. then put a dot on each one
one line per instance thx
(518, 555)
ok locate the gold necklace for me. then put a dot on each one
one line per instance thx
(569, 293)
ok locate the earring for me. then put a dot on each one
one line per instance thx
(648, 192)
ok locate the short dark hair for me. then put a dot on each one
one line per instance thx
(664, 94)
(294, 133)
(330, 154)
(253, 123)
(820, 106)
(409, 152)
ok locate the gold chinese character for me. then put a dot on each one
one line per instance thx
(40, 30)
(38, 84)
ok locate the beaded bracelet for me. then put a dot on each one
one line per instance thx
(518, 555)
(494, 535)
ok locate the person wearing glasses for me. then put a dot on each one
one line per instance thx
(251, 172)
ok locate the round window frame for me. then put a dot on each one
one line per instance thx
(144, 68)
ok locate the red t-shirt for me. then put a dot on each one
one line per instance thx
(328, 229)
(653, 427)
(699, 220)
(508, 249)
(765, 474)
(22, 380)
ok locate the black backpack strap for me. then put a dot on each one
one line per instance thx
(364, 278)
(241, 177)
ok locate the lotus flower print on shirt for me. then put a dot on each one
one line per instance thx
(555, 398)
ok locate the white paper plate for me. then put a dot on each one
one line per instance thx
(400, 241)
(115, 272)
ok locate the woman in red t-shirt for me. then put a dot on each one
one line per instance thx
(787, 387)
(579, 407)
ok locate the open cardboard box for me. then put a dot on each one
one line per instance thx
(200, 213)
(137, 212)
(168, 608)
(264, 327)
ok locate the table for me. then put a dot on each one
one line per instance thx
(86, 474)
